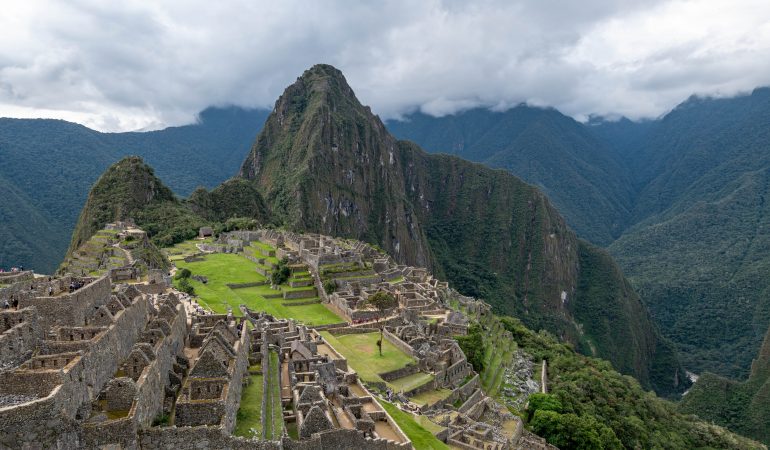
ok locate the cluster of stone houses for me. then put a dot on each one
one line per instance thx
(110, 365)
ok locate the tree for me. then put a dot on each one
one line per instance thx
(472, 345)
(573, 431)
(182, 273)
(383, 301)
(281, 272)
(330, 286)
(185, 286)
(542, 402)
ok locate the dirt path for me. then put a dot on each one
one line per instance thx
(285, 383)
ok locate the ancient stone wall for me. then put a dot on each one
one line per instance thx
(152, 383)
(70, 309)
(47, 422)
(20, 335)
(15, 277)
(409, 369)
(403, 346)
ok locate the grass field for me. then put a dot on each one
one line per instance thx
(274, 409)
(226, 268)
(250, 412)
(420, 437)
(406, 384)
(362, 354)
(431, 397)
(183, 249)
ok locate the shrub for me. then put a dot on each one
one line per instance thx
(281, 272)
(185, 286)
(472, 345)
(182, 274)
(330, 286)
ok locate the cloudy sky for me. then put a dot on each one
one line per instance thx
(147, 64)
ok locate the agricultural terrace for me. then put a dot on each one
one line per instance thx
(421, 437)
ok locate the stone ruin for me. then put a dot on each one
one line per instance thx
(136, 366)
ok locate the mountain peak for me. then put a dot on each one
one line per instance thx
(124, 188)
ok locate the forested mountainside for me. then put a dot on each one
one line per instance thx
(38, 218)
(690, 216)
(699, 253)
(324, 163)
(579, 172)
(741, 406)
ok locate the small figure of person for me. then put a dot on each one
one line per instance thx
(6, 305)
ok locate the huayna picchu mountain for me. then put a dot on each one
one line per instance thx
(325, 163)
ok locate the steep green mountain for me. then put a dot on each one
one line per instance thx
(130, 190)
(325, 163)
(38, 218)
(699, 252)
(584, 177)
(741, 406)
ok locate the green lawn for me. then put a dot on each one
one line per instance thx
(431, 397)
(186, 248)
(420, 437)
(250, 411)
(406, 384)
(224, 268)
(274, 409)
(363, 356)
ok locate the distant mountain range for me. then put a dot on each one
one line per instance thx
(679, 201)
(48, 167)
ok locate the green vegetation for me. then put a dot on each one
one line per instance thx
(330, 286)
(420, 437)
(381, 301)
(472, 345)
(406, 384)
(589, 403)
(573, 431)
(183, 285)
(281, 272)
(250, 411)
(182, 273)
(741, 406)
(274, 409)
(361, 352)
(430, 397)
(222, 269)
(581, 174)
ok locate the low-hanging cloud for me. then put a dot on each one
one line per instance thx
(137, 65)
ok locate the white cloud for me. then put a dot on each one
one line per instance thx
(138, 64)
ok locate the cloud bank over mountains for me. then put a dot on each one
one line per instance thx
(141, 65)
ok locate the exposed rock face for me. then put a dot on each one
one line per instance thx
(324, 163)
